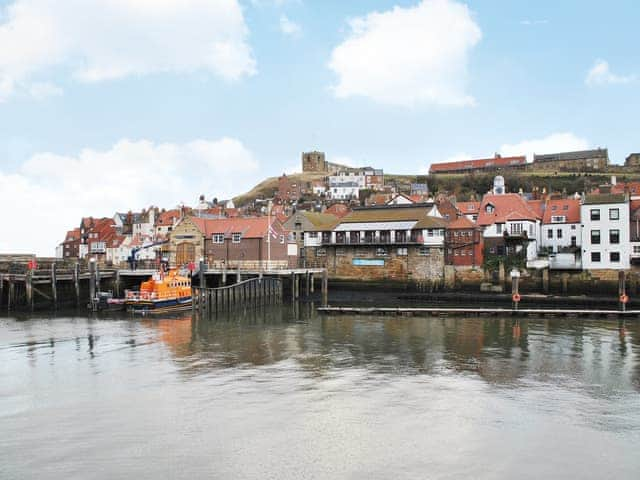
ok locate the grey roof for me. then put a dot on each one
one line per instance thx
(577, 155)
(605, 198)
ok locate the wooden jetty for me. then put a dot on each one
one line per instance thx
(253, 293)
(54, 283)
(477, 312)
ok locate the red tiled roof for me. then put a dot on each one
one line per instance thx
(569, 208)
(468, 208)
(461, 223)
(537, 206)
(476, 164)
(249, 227)
(509, 206)
(167, 218)
(339, 210)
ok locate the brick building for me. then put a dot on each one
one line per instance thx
(579, 161)
(388, 242)
(463, 243)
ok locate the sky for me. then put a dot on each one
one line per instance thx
(111, 105)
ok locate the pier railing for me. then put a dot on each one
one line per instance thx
(255, 292)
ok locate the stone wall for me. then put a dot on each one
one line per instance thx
(427, 270)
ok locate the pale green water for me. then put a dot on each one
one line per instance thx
(275, 395)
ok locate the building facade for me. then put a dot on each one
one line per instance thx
(579, 161)
(605, 232)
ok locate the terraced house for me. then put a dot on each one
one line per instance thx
(402, 242)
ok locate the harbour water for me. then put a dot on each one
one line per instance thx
(287, 394)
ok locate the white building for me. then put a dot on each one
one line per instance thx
(345, 185)
(605, 232)
(509, 225)
(561, 229)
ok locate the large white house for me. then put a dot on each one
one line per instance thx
(605, 232)
(509, 224)
(561, 225)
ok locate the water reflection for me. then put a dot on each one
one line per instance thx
(287, 393)
(500, 351)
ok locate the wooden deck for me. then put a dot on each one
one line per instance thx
(479, 312)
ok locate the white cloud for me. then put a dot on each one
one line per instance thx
(49, 193)
(289, 27)
(42, 90)
(556, 142)
(600, 74)
(408, 56)
(108, 39)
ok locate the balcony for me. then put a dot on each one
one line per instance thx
(381, 240)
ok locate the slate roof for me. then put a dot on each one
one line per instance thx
(604, 198)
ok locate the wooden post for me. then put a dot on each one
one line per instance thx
(97, 277)
(28, 285)
(117, 284)
(54, 286)
(325, 288)
(92, 283)
(514, 289)
(311, 279)
(76, 282)
(238, 275)
(1, 287)
(224, 274)
(293, 286)
(307, 287)
(11, 295)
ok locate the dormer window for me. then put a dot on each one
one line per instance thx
(489, 208)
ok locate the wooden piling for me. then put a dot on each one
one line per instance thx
(325, 288)
(54, 286)
(28, 285)
(11, 294)
(76, 282)
(1, 288)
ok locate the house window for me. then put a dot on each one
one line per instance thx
(341, 252)
(595, 256)
(595, 237)
(312, 234)
(382, 252)
(636, 249)
(614, 214)
(424, 251)
(362, 252)
(235, 237)
(489, 208)
(573, 241)
(614, 236)
(218, 238)
(559, 233)
(281, 238)
(614, 257)
(499, 228)
(430, 232)
(550, 233)
(403, 252)
(516, 229)
(595, 214)
(558, 219)
(321, 252)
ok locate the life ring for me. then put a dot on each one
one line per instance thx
(516, 297)
(624, 298)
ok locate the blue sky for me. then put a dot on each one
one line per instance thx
(511, 77)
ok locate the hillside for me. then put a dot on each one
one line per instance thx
(465, 186)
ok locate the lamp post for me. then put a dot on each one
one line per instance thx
(515, 295)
